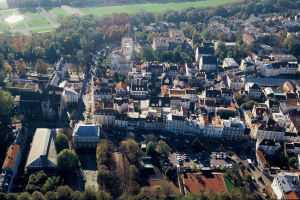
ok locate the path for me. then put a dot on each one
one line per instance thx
(25, 30)
(72, 11)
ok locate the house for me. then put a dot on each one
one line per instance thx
(288, 87)
(170, 43)
(139, 78)
(103, 94)
(11, 164)
(273, 105)
(86, 135)
(210, 106)
(139, 91)
(121, 69)
(121, 105)
(268, 82)
(279, 68)
(121, 88)
(175, 123)
(262, 163)
(230, 65)
(117, 58)
(254, 91)
(286, 186)
(208, 63)
(104, 117)
(42, 155)
(268, 147)
(249, 40)
(235, 82)
(158, 103)
(71, 96)
(233, 128)
(137, 66)
(203, 51)
(209, 79)
(213, 95)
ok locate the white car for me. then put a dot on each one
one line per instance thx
(179, 158)
(230, 165)
(218, 156)
(178, 154)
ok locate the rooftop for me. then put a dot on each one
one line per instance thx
(86, 130)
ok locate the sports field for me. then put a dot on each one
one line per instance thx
(151, 7)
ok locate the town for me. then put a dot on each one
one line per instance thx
(167, 109)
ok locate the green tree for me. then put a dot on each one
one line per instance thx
(292, 161)
(37, 196)
(150, 148)
(67, 160)
(51, 184)
(64, 192)
(250, 104)
(76, 195)
(167, 189)
(157, 191)
(41, 67)
(194, 167)
(103, 195)
(238, 98)
(242, 167)
(134, 172)
(196, 145)
(248, 178)
(2, 76)
(61, 142)
(50, 195)
(150, 138)
(102, 176)
(12, 196)
(147, 53)
(162, 147)
(89, 194)
(73, 115)
(145, 193)
(25, 196)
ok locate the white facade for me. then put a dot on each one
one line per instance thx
(276, 69)
(70, 96)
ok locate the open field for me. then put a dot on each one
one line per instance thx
(37, 22)
(4, 26)
(151, 7)
(19, 25)
(10, 12)
(59, 11)
(54, 20)
(42, 29)
(228, 183)
(3, 6)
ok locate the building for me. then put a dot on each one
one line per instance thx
(86, 135)
(273, 105)
(121, 69)
(117, 58)
(121, 88)
(159, 103)
(30, 103)
(209, 79)
(262, 163)
(10, 167)
(127, 46)
(203, 51)
(268, 147)
(104, 117)
(53, 104)
(268, 82)
(283, 57)
(103, 94)
(42, 155)
(235, 82)
(269, 132)
(170, 43)
(139, 91)
(71, 96)
(230, 65)
(279, 68)
(213, 95)
(254, 91)
(233, 128)
(208, 63)
(286, 186)
(249, 40)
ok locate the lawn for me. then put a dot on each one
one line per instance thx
(10, 12)
(3, 6)
(151, 7)
(59, 11)
(45, 10)
(42, 30)
(54, 20)
(29, 11)
(4, 26)
(36, 16)
(228, 183)
(37, 22)
(17, 85)
(19, 25)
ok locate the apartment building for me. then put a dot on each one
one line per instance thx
(104, 117)
(269, 132)
(233, 128)
(286, 185)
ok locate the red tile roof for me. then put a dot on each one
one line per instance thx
(288, 85)
(262, 159)
(120, 85)
(292, 195)
(249, 37)
(11, 156)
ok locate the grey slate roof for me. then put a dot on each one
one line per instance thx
(210, 60)
(86, 130)
(206, 50)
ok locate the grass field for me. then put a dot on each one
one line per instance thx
(228, 184)
(10, 12)
(37, 22)
(41, 30)
(59, 11)
(45, 10)
(29, 11)
(151, 7)
(4, 26)
(54, 20)
(18, 25)
(36, 16)
(3, 6)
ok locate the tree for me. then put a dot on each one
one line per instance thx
(260, 178)
(292, 161)
(67, 160)
(76, 195)
(21, 67)
(150, 148)
(61, 142)
(51, 184)
(222, 36)
(238, 98)
(64, 192)
(157, 191)
(2, 76)
(41, 67)
(145, 193)
(37, 196)
(12, 196)
(150, 138)
(196, 145)
(250, 104)
(2, 196)
(73, 115)
(261, 53)
(89, 194)
(222, 168)
(6, 103)
(102, 176)
(242, 167)
(137, 108)
(162, 147)
(25, 196)
(7, 67)
(248, 178)
(194, 167)
(134, 172)
(147, 53)
(103, 195)
(169, 171)
(167, 189)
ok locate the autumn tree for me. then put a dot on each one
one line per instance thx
(6, 103)
(21, 67)
(162, 147)
(41, 67)
(222, 36)
(102, 176)
(7, 67)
